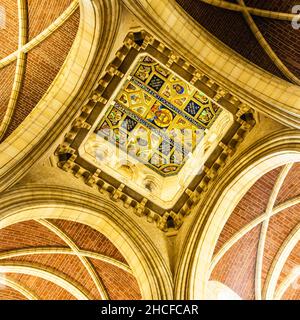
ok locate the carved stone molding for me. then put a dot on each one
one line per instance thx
(68, 157)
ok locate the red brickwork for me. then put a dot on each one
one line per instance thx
(28, 234)
(252, 205)
(118, 283)
(43, 64)
(231, 28)
(89, 239)
(9, 34)
(40, 16)
(273, 5)
(237, 268)
(42, 289)
(292, 262)
(8, 293)
(284, 40)
(280, 227)
(65, 264)
(293, 293)
(291, 186)
(7, 75)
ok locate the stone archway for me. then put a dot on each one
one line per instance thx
(193, 268)
(145, 260)
(99, 21)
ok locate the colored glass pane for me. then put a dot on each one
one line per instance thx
(157, 117)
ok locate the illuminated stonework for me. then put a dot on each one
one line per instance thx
(155, 132)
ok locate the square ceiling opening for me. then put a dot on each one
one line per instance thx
(155, 132)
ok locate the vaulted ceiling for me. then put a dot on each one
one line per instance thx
(62, 260)
(59, 259)
(48, 34)
(263, 226)
(260, 31)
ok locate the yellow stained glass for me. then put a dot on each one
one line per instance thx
(157, 117)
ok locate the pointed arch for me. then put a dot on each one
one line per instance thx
(193, 268)
(145, 259)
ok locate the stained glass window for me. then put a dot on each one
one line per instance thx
(157, 117)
